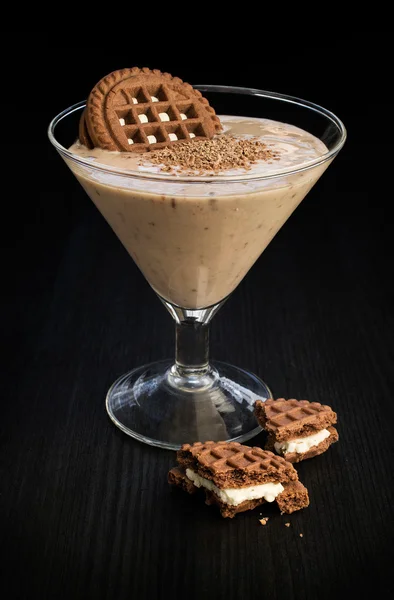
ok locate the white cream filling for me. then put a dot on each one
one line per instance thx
(301, 445)
(234, 496)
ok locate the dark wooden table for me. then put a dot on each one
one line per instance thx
(86, 511)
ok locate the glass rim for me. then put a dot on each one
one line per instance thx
(143, 176)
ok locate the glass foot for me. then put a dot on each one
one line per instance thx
(150, 404)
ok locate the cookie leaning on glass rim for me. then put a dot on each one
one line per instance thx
(137, 110)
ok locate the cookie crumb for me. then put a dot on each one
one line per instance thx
(287, 524)
(264, 521)
(221, 153)
(301, 535)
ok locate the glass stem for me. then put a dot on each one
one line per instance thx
(191, 371)
(192, 347)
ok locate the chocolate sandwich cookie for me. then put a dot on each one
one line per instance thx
(297, 429)
(139, 110)
(238, 478)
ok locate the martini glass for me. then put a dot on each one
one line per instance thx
(194, 239)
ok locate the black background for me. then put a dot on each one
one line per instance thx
(86, 511)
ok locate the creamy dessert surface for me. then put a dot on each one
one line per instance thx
(194, 242)
(295, 147)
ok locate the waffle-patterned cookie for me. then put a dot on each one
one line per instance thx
(222, 466)
(232, 465)
(138, 110)
(288, 419)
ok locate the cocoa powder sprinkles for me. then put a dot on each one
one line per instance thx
(211, 156)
